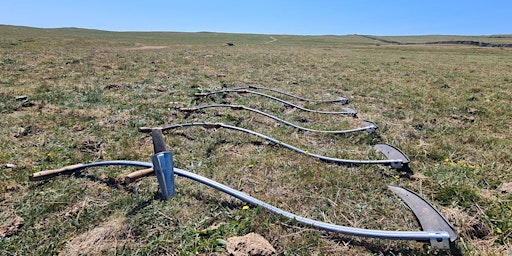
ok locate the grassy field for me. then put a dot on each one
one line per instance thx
(73, 96)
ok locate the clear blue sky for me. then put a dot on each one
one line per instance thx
(313, 17)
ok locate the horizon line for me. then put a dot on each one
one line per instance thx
(252, 33)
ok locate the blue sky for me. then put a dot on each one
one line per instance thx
(314, 17)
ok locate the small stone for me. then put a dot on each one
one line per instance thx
(10, 166)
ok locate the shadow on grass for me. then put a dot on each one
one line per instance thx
(143, 204)
(379, 247)
(109, 182)
(231, 205)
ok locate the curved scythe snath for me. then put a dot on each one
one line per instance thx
(367, 125)
(341, 100)
(439, 232)
(346, 111)
(396, 158)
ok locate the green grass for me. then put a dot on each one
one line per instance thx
(89, 91)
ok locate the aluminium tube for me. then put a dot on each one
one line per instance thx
(341, 100)
(423, 236)
(369, 128)
(347, 111)
(394, 163)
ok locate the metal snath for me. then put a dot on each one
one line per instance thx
(366, 125)
(396, 158)
(440, 234)
(346, 110)
(341, 100)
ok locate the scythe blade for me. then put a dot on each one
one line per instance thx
(429, 218)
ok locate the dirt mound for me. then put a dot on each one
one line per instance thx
(250, 244)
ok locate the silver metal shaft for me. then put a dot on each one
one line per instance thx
(346, 111)
(341, 100)
(437, 238)
(397, 163)
(368, 126)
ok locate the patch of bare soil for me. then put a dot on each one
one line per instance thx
(147, 47)
(250, 244)
(469, 226)
(98, 241)
(11, 227)
(505, 188)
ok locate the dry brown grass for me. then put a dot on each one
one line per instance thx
(101, 240)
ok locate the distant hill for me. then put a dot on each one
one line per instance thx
(502, 41)
(204, 37)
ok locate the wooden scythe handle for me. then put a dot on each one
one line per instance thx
(43, 175)
(134, 176)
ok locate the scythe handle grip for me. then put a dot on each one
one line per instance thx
(134, 176)
(52, 173)
(145, 129)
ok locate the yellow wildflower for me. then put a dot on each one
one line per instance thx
(246, 207)
(306, 152)
(499, 231)
(446, 160)
(250, 165)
